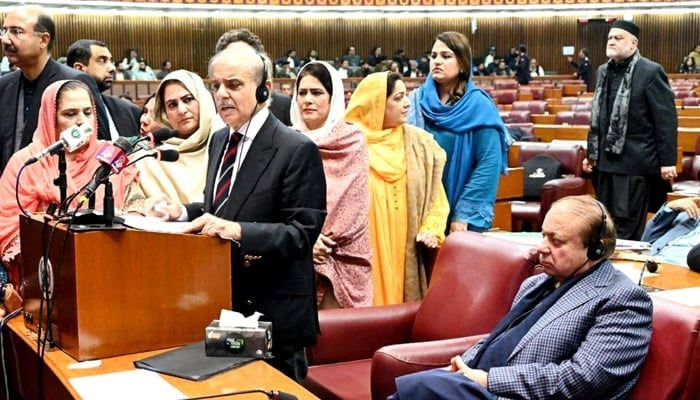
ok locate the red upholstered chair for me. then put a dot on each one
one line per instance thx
(672, 367)
(565, 117)
(532, 212)
(680, 94)
(576, 100)
(586, 106)
(507, 96)
(671, 370)
(515, 117)
(573, 117)
(534, 106)
(537, 92)
(687, 180)
(473, 285)
(501, 84)
(691, 101)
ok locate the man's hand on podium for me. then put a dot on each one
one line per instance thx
(210, 225)
(164, 208)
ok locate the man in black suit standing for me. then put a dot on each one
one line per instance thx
(634, 129)
(583, 67)
(28, 35)
(281, 103)
(265, 191)
(94, 58)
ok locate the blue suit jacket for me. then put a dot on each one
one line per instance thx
(666, 226)
(590, 344)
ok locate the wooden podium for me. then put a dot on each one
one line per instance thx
(124, 291)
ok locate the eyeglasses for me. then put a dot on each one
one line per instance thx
(15, 32)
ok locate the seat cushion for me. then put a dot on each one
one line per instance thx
(340, 381)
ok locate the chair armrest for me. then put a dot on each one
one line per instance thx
(355, 334)
(558, 188)
(390, 362)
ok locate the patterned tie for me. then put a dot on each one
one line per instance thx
(223, 182)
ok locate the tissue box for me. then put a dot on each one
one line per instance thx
(238, 342)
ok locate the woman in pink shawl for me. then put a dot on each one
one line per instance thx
(63, 104)
(342, 252)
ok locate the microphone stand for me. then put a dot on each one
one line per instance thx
(108, 204)
(62, 181)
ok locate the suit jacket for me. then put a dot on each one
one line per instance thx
(125, 115)
(10, 92)
(279, 199)
(666, 226)
(590, 344)
(652, 125)
(280, 107)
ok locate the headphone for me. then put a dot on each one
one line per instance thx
(261, 92)
(596, 249)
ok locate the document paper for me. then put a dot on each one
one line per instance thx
(133, 385)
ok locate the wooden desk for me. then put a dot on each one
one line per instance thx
(20, 351)
(511, 186)
(547, 119)
(574, 89)
(555, 108)
(688, 122)
(549, 132)
(688, 111)
(669, 276)
(687, 138)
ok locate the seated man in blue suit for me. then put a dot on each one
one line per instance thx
(580, 330)
(674, 230)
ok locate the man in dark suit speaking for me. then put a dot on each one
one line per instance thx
(265, 191)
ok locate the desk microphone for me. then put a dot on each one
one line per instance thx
(272, 395)
(651, 266)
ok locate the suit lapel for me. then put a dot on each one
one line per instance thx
(9, 113)
(256, 161)
(575, 297)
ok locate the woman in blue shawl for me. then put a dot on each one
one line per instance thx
(465, 122)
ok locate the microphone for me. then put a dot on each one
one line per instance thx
(151, 139)
(70, 139)
(113, 159)
(272, 395)
(165, 155)
(651, 266)
(160, 135)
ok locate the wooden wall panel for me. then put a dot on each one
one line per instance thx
(189, 42)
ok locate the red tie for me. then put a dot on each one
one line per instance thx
(223, 182)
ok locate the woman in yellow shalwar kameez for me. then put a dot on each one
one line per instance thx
(408, 204)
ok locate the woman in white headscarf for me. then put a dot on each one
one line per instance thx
(342, 253)
(182, 103)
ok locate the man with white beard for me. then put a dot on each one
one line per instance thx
(634, 128)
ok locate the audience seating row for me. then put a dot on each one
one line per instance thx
(361, 351)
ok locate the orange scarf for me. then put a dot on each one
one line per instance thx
(36, 187)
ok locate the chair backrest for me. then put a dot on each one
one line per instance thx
(582, 118)
(518, 117)
(537, 92)
(569, 155)
(534, 106)
(564, 117)
(506, 84)
(507, 96)
(691, 101)
(672, 367)
(474, 281)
